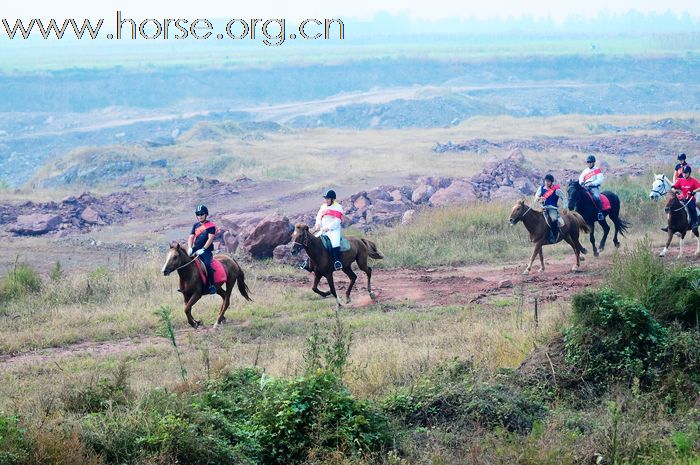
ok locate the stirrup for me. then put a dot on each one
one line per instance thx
(601, 217)
(338, 265)
(212, 289)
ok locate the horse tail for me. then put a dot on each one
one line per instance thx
(580, 222)
(372, 251)
(622, 225)
(242, 286)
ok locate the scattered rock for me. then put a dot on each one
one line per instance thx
(408, 216)
(283, 254)
(272, 231)
(458, 192)
(90, 216)
(506, 283)
(35, 224)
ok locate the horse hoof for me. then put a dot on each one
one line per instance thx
(596, 254)
(617, 245)
(372, 296)
(526, 272)
(348, 301)
(575, 269)
(540, 270)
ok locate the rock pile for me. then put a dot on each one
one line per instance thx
(72, 214)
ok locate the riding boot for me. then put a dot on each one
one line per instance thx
(692, 214)
(210, 282)
(337, 259)
(553, 232)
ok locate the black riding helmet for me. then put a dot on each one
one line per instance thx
(590, 159)
(686, 169)
(681, 156)
(330, 194)
(201, 210)
(549, 177)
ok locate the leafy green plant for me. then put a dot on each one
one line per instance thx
(166, 330)
(21, 281)
(613, 338)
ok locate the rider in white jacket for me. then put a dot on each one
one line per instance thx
(329, 222)
(591, 178)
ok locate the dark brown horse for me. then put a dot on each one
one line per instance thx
(322, 262)
(191, 284)
(678, 223)
(537, 226)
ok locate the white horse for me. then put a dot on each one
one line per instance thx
(662, 185)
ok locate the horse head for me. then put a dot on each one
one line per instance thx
(660, 187)
(573, 190)
(300, 237)
(518, 211)
(673, 203)
(174, 259)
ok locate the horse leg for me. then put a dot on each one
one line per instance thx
(362, 264)
(225, 302)
(574, 245)
(697, 237)
(331, 284)
(668, 242)
(353, 277)
(535, 251)
(592, 237)
(616, 223)
(317, 279)
(541, 261)
(188, 309)
(606, 230)
(680, 245)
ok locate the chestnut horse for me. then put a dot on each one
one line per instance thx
(678, 223)
(191, 284)
(537, 226)
(322, 262)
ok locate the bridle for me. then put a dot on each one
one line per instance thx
(664, 183)
(522, 215)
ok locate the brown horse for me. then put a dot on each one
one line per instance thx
(537, 226)
(191, 284)
(678, 223)
(322, 262)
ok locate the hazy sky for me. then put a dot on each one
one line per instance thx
(556, 10)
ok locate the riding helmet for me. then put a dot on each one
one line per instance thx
(686, 169)
(330, 194)
(549, 177)
(590, 159)
(201, 210)
(681, 156)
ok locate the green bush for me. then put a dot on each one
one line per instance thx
(244, 417)
(105, 393)
(15, 447)
(670, 293)
(451, 395)
(19, 282)
(613, 338)
(676, 296)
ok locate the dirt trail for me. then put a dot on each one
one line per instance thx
(422, 287)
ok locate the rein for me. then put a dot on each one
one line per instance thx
(186, 264)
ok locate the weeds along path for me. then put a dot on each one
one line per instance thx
(422, 288)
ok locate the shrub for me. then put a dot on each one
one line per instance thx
(98, 396)
(14, 445)
(670, 293)
(451, 394)
(612, 338)
(19, 282)
(676, 296)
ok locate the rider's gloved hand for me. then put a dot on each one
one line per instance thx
(189, 251)
(199, 252)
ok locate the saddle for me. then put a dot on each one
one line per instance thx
(344, 244)
(605, 202)
(216, 266)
